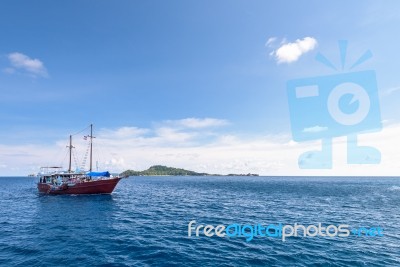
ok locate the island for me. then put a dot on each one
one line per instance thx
(160, 170)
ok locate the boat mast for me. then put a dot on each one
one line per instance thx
(91, 147)
(70, 153)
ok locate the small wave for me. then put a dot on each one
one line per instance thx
(394, 188)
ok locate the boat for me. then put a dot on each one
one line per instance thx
(54, 181)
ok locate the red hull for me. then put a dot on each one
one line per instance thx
(93, 187)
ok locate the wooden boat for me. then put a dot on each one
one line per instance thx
(54, 181)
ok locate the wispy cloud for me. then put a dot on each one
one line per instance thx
(179, 133)
(390, 91)
(22, 62)
(197, 123)
(270, 41)
(123, 132)
(291, 52)
(170, 135)
(315, 129)
(128, 147)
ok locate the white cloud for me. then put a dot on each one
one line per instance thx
(197, 123)
(138, 149)
(270, 41)
(389, 91)
(291, 52)
(123, 132)
(315, 129)
(31, 66)
(229, 153)
(167, 135)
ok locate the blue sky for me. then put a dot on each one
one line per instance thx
(150, 70)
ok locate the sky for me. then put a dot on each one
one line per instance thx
(199, 85)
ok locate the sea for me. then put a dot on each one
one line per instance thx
(145, 222)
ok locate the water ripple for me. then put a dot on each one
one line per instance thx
(145, 222)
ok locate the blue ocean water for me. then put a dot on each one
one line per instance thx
(145, 222)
